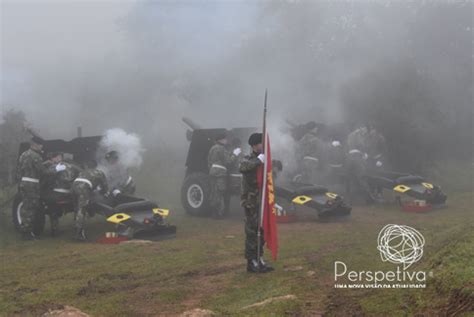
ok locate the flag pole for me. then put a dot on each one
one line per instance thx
(264, 181)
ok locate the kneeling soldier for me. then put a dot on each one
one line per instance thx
(84, 185)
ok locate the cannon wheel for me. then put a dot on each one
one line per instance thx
(38, 223)
(195, 194)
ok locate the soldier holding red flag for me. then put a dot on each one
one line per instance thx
(250, 200)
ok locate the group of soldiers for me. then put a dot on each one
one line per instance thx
(56, 178)
(323, 158)
(319, 158)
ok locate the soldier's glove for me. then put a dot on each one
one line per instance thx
(336, 143)
(261, 157)
(366, 156)
(115, 192)
(60, 167)
(378, 164)
(237, 151)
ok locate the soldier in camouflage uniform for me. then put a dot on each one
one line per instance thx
(220, 160)
(363, 145)
(250, 201)
(61, 185)
(31, 171)
(311, 149)
(84, 185)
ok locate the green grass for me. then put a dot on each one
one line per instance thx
(203, 268)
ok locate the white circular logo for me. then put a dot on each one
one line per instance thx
(400, 244)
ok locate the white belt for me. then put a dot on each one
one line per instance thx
(219, 166)
(129, 180)
(236, 175)
(335, 165)
(61, 190)
(83, 180)
(310, 158)
(29, 179)
(354, 151)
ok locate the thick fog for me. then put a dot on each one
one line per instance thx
(142, 65)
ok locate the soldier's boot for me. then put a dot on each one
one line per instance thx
(54, 227)
(264, 267)
(253, 266)
(80, 235)
(29, 236)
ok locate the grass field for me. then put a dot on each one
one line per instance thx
(204, 268)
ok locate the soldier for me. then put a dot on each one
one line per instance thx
(118, 178)
(219, 161)
(251, 204)
(311, 150)
(334, 169)
(363, 144)
(31, 171)
(84, 185)
(61, 185)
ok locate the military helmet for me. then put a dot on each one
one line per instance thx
(37, 140)
(221, 135)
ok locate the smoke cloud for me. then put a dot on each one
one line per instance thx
(128, 146)
(142, 65)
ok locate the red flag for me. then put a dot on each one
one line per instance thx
(268, 218)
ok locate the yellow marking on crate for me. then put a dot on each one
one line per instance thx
(331, 195)
(118, 218)
(301, 200)
(162, 212)
(401, 188)
(428, 185)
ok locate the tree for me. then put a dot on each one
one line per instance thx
(12, 133)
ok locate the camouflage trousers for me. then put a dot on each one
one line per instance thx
(82, 194)
(218, 198)
(54, 215)
(309, 171)
(251, 233)
(30, 193)
(356, 171)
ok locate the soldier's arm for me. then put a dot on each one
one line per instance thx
(42, 167)
(103, 182)
(229, 158)
(249, 164)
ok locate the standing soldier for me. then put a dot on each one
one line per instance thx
(31, 171)
(311, 149)
(219, 161)
(61, 185)
(251, 203)
(364, 145)
(84, 185)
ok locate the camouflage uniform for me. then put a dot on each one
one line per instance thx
(61, 188)
(251, 203)
(332, 169)
(219, 160)
(310, 150)
(82, 188)
(363, 144)
(30, 171)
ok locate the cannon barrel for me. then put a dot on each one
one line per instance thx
(191, 124)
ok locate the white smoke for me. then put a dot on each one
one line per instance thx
(128, 146)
